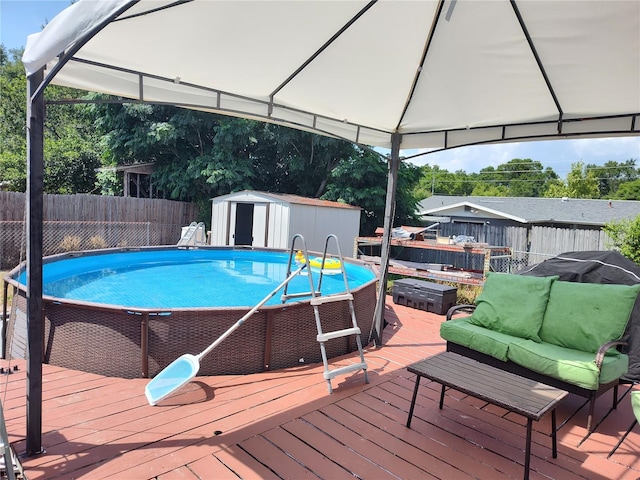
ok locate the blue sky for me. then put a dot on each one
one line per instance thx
(19, 18)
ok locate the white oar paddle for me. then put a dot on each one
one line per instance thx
(184, 368)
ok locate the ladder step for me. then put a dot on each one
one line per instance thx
(329, 374)
(297, 295)
(331, 271)
(331, 298)
(323, 337)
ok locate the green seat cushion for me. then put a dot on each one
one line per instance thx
(571, 366)
(463, 332)
(513, 304)
(583, 316)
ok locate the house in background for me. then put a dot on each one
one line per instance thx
(547, 226)
(271, 220)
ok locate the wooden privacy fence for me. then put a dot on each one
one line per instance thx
(547, 242)
(79, 222)
(532, 238)
(98, 208)
(529, 244)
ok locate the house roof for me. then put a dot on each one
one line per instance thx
(531, 210)
(253, 195)
(145, 168)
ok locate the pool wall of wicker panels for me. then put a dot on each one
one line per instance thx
(140, 342)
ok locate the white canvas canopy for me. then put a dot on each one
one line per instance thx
(391, 74)
(441, 74)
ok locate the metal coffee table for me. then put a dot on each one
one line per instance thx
(512, 392)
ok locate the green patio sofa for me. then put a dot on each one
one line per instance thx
(564, 334)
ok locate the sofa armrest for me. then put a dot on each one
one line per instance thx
(455, 308)
(603, 350)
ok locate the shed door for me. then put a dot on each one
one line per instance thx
(243, 233)
(248, 224)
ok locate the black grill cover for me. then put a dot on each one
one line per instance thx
(599, 267)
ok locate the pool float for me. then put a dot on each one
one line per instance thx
(332, 266)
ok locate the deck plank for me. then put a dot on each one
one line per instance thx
(322, 440)
(284, 424)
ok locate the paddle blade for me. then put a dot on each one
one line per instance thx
(171, 378)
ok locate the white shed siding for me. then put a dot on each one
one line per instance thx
(279, 226)
(344, 223)
(219, 223)
(316, 223)
(303, 218)
(277, 220)
(231, 230)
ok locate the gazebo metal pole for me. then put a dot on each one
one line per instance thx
(389, 210)
(35, 180)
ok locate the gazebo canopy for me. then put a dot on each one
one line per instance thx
(440, 73)
(391, 74)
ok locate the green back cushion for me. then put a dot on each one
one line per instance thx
(583, 316)
(513, 304)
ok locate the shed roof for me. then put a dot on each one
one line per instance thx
(532, 210)
(284, 197)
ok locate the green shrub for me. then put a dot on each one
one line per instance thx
(467, 294)
(625, 236)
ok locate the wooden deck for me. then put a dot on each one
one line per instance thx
(284, 424)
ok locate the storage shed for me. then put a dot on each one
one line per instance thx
(270, 220)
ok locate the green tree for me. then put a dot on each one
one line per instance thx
(518, 178)
(556, 189)
(178, 141)
(484, 189)
(200, 155)
(625, 236)
(362, 181)
(71, 148)
(613, 174)
(13, 146)
(280, 159)
(580, 183)
(438, 181)
(628, 191)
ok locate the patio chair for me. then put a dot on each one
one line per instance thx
(635, 405)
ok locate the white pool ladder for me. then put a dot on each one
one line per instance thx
(9, 463)
(317, 299)
(194, 235)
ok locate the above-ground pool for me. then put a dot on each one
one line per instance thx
(130, 312)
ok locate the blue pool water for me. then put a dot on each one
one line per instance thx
(183, 278)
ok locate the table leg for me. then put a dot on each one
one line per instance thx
(554, 436)
(413, 400)
(442, 396)
(527, 452)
